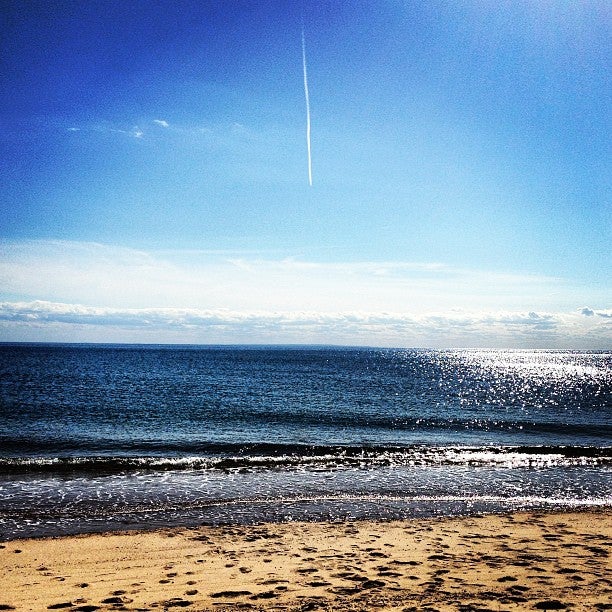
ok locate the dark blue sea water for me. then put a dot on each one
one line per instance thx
(113, 437)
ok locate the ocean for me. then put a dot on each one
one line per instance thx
(113, 437)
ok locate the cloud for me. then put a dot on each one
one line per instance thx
(99, 292)
(459, 329)
(589, 312)
(92, 273)
(228, 134)
(105, 127)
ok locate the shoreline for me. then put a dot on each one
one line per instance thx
(517, 561)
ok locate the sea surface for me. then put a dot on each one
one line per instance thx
(106, 437)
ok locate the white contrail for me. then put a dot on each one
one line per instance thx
(307, 108)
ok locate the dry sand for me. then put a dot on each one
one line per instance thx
(525, 561)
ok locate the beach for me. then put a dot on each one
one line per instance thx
(312, 478)
(519, 561)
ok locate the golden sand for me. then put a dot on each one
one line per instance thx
(525, 561)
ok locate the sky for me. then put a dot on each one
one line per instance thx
(155, 179)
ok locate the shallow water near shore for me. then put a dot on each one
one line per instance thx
(96, 438)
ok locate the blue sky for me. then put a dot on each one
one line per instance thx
(155, 180)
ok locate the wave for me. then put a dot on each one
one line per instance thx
(230, 458)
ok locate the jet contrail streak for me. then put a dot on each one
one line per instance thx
(307, 108)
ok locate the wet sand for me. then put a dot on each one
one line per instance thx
(524, 561)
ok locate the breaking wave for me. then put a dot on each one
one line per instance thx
(289, 457)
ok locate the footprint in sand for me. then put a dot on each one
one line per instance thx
(552, 604)
(116, 600)
(507, 579)
(230, 594)
(265, 595)
(175, 602)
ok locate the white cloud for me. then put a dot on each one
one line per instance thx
(241, 140)
(60, 321)
(105, 127)
(589, 312)
(204, 296)
(127, 278)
